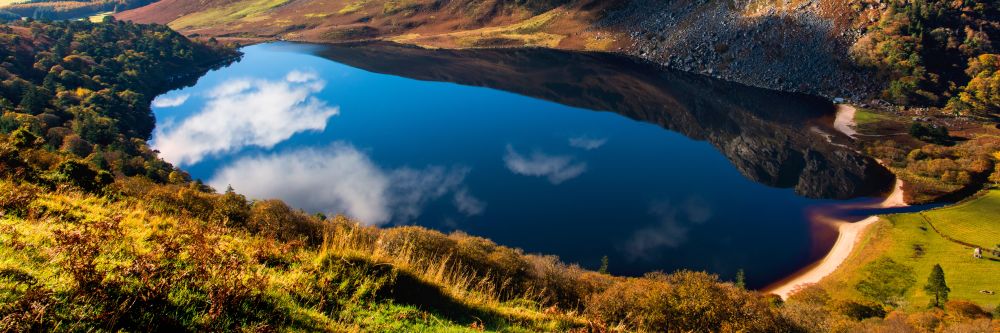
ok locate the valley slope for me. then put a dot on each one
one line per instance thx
(797, 46)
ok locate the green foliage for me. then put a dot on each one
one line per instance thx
(858, 310)
(933, 134)
(886, 281)
(89, 85)
(81, 175)
(936, 286)
(921, 47)
(604, 265)
(23, 138)
(982, 94)
(741, 279)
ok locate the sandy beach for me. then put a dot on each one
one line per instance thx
(844, 122)
(849, 233)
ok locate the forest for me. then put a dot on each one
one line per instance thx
(937, 53)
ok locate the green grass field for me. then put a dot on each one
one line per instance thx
(908, 239)
(867, 116)
(976, 222)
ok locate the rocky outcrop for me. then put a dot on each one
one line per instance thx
(799, 49)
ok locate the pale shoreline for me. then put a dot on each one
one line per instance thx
(849, 233)
(844, 121)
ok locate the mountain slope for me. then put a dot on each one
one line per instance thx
(801, 46)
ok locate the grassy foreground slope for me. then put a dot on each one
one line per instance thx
(918, 241)
(77, 261)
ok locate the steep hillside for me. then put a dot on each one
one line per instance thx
(801, 46)
(64, 10)
(824, 47)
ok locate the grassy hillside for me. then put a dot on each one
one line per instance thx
(65, 10)
(919, 241)
(975, 222)
(75, 261)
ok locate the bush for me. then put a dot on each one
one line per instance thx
(683, 302)
(15, 199)
(962, 310)
(933, 134)
(231, 209)
(886, 281)
(273, 218)
(858, 310)
(81, 175)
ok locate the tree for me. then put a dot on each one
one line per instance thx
(741, 279)
(982, 93)
(604, 265)
(936, 286)
(32, 102)
(23, 138)
(886, 281)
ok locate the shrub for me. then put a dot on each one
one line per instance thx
(683, 302)
(231, 209)
(885, 281)
(859, 310)
(962, 310)
(933, 133)
(15, 199)
(81, 175)
(273, 218)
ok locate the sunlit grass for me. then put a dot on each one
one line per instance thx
(361, 270)
(976, 222)
(908, 239)
(237, 11)
(98, 18)
(529, 32)
(352, 7)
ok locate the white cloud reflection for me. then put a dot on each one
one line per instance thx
(164, 101)
(671, 228)
(587, 143)
(247, 112)
(556, 168)
(468, 204)
(342, 179)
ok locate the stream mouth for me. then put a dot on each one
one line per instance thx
(574, 154)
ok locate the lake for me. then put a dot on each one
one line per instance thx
(573, 154)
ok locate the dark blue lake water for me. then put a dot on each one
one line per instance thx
(575, 155)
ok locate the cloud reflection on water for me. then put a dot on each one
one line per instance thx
(247, 112)
(587, 143)
(342, 179)
(556, 168)
(671, 229)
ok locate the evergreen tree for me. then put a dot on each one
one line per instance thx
(32, 101)
(936, 286)
(741, 279)
(604, 265)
